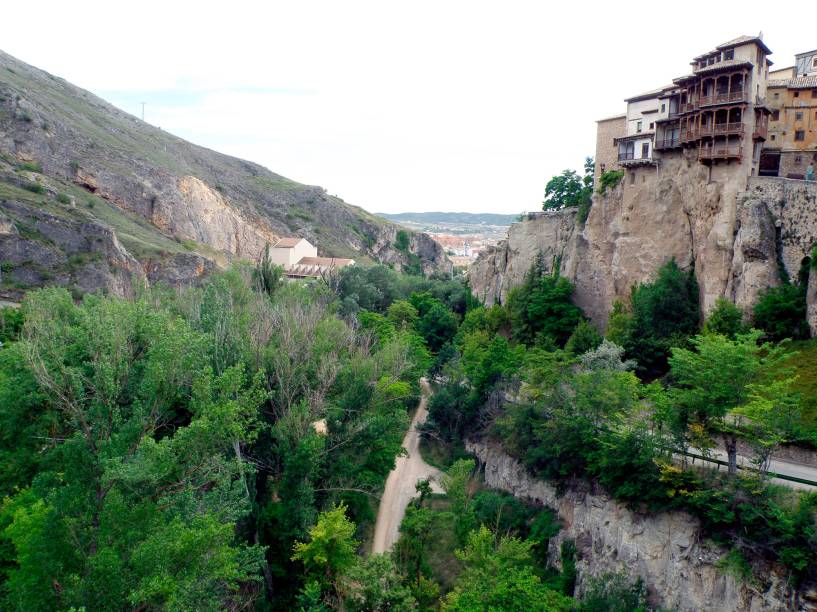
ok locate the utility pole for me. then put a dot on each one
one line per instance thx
(143, 111)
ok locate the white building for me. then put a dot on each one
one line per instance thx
(289, 251)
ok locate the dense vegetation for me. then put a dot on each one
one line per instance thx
(615, 412)
(224, 446)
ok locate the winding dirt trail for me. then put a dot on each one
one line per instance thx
(400, 489)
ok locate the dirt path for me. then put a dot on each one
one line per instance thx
(400, 489)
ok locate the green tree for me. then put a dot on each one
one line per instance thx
(665, 313)
(781, 312)
(402, 314)
(717, 378)
(725, 319)
(500, 576)
(330, 550)
(584, 338)
(456, 482)
(374, 584)
(569, 189)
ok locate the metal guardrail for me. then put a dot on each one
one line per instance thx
(777, 475)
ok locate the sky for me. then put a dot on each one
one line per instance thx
(441, 105)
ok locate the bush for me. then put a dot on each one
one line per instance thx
(584, 338)
(63, 198)
(665, 313)
(781, 313)
(725, 319)
(610, 180)
(34, 187)
(31, 167)
(614, 593)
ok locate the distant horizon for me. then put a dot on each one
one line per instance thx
(344, 97)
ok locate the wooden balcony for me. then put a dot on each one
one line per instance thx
(687, 107)
(667, 143)
(722, 98)
(735, 127)
(720, 152)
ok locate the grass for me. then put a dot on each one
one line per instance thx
(805, 367)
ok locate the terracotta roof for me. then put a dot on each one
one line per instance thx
(324, 261)
(287, 243)
(807, 82)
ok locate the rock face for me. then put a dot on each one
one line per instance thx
(99, 166)
(499, 269)
(732, 231)
(666, 550)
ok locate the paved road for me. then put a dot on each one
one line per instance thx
(400, 489)
(786, 468)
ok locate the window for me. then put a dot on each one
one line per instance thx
(798, 116)
(776, 115)
(645, 149)
(814, 62)
(814, 93)
(638, 127)
(664, 106)
(652, 126)
(776, 96)
(727, 55)
(796, 94)
(799, 135)
(773, 137)
(632, 178)
(798, 160)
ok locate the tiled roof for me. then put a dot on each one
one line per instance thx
(324, 261)
(740, 40)
(725, 64)
(615, 117)
(653, 93)
(287, 243)
(807, 82)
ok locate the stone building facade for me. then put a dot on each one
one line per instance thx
(607, 131)
(792, 143)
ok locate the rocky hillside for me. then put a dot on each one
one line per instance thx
(91, 197)
(740, 239)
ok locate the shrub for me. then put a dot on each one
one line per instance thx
(401, 240)
(781, 312)
(610, 179)
(665, 313)
(584, 338)
(614, 593)
(34, 187)
(725, 319)
(63, 198)
(31, 167)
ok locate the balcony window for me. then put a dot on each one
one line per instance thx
(645, 150)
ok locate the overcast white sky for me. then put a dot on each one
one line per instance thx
(394, 106)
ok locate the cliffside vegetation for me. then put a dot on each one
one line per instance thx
(617, 413)
(224, 446)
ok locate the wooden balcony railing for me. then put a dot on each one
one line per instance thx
(734, 127)
(688, 107)
(668, 143)
(720, 98)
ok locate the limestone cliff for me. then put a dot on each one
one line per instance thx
(666, 550)
(175, 210)
(734, 234)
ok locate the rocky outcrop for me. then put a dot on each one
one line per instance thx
(168, 189)
(666, 550)
(502, 267)
(734, 233)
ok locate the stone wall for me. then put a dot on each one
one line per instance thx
(606, 149)
(666, 550)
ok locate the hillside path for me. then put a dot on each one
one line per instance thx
(400, 489)
(786, 468)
